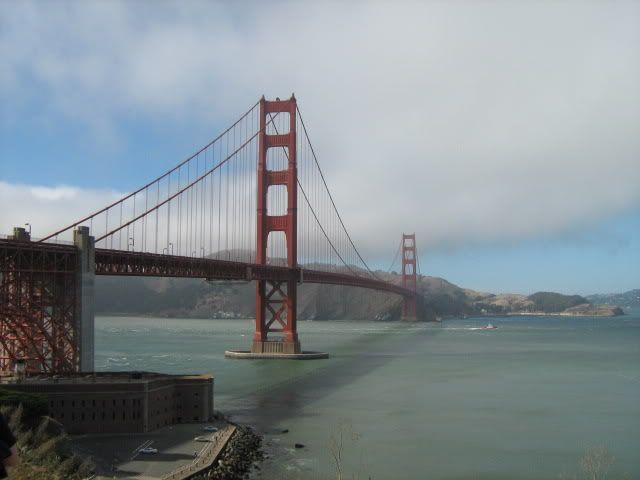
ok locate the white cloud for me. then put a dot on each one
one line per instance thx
(47, 208)
(462, 121)
(54, 193)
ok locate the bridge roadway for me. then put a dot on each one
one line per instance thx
(57, 257)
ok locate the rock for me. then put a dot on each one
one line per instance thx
(299, 445)
(286, 430)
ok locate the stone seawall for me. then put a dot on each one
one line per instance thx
(206, 458)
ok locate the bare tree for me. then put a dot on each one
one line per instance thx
(342, 433)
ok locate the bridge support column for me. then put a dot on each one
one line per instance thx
(84, 312)
(276, 301)
(409, 276)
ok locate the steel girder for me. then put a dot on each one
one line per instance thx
(118, 262)
(37, 306)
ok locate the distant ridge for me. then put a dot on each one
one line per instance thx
(626, 299)
(193, 298)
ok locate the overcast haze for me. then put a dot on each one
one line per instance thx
(478, 125)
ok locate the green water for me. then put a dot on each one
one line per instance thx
(525, 401)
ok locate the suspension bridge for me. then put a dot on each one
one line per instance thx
(251, 205)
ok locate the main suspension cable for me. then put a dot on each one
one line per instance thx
(304, 128)
(177, 167)
(395, 257)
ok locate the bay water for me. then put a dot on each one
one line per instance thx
(537, 398)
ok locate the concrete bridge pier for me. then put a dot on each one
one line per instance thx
(85, 298)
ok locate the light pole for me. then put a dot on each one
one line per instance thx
(130, 243)
(28, 225)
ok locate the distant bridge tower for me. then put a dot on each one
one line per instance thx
(409, 276)
(276, 299)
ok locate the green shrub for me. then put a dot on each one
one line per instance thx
(44, 449)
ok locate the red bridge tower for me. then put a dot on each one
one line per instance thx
(276, 299)
(409, 276)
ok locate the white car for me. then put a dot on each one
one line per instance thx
(148, 450)
(210, 428)
(202, 439)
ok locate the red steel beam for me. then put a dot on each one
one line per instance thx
(127, 263)
(118, 262)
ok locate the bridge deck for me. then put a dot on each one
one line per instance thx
(129, 263)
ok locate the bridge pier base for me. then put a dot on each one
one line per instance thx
(276, 346)
(243, 354)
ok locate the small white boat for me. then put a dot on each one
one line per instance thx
(488, 326)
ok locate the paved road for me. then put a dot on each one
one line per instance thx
(176, 447)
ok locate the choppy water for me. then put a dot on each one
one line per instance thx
(525, 401)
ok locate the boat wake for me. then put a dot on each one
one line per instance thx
(489, 326)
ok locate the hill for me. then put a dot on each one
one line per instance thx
(194, 298)
(626, 299)
(550, 302)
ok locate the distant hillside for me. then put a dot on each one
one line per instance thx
(550, 302)
(171, 297)
(626, 299)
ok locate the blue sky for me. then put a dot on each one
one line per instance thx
(603, 257)
(514, 155)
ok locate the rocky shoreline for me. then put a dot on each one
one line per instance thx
(579, 311)
(237, 458)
